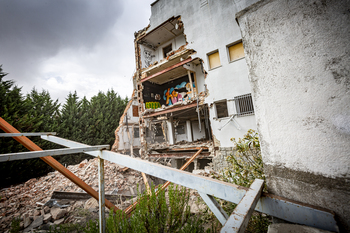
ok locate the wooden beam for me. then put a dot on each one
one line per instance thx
(175, 109)
(166, 69)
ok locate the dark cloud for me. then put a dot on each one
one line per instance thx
(31, 31)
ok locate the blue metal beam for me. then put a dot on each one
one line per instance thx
(272, 205)
(26, 134)
(38, 154)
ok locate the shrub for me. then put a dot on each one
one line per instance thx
(154, 213)
(245, 165)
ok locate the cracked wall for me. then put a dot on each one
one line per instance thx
(298, 56)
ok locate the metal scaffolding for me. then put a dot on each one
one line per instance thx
(248, 199)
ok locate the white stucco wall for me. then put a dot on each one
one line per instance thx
(298, 55)
(300, 75)
(208, 28)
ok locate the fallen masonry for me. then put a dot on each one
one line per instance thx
(53, 199)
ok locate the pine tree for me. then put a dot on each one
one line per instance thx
(16, 111)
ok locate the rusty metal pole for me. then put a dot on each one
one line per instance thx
(101, 193)
(53, 162)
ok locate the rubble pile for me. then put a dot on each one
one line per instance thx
(31, 202)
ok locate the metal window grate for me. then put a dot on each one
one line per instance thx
(244, 105)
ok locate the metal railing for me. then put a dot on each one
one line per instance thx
(248, 199)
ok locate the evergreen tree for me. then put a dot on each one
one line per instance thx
(106, 110)
(45, 112)
(16, 111)
(69, 120)
(89, 122)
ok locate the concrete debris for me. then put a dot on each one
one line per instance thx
(37, 222)
(91, 203)
(57, 213)
(31, 201)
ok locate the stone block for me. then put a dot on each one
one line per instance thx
(57, 213)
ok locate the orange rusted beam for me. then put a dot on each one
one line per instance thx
(6, 127)
(129, 209)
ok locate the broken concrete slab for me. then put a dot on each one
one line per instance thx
(57, 213)
(47, 218)
(91, 203)
(36, 223)
(59, 221)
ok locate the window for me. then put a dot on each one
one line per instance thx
(180, 129)
(236, 51)
(167, 49)
(158, 131)
(244, 105)
(136, 133)
(221, 109)
(214, 60)
(135, 111)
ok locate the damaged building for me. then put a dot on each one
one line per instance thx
(191, 87)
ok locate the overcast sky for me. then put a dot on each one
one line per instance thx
(67, 45)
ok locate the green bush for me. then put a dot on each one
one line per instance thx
(154, 213)
(245, 165)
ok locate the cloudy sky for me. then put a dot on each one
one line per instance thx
(64, 45)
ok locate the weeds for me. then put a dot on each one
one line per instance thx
(15, 225)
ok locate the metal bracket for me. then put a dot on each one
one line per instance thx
(235, 123)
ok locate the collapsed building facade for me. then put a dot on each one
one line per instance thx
(191, 87)
(297, 54)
